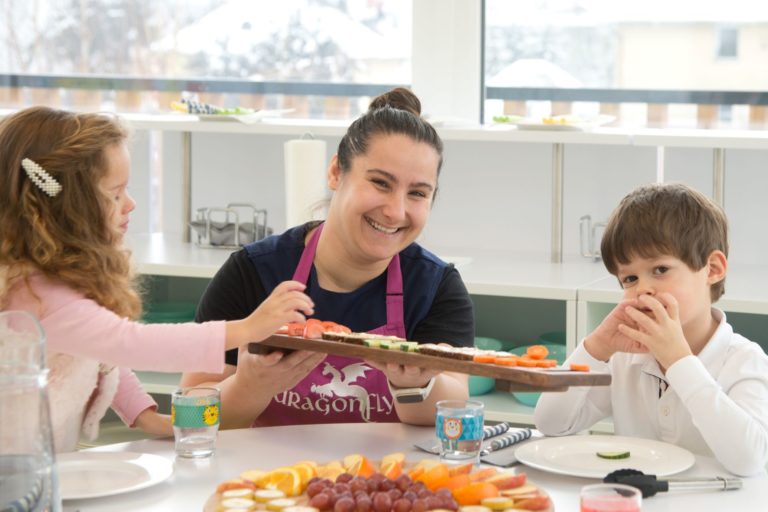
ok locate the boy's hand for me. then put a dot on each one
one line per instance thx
(608, 339)
(286, 303)
(658, 328)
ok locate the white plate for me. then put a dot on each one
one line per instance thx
(95, 474)
(575, 124)
(577, 455)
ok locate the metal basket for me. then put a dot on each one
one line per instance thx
(230, 233)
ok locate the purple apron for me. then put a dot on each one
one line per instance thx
(341, 389)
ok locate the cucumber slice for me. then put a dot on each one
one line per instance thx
(613, 455)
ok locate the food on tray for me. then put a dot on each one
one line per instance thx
(197, 107)
(313, 328)
(507, 119)
(613, 455)
(355, 483)
(577, 367)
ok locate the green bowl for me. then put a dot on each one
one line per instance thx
(169, 313)
(556, 351)
(482, 385)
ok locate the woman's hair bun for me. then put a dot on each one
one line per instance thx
(399, 98)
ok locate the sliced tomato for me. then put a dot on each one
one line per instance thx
(313, 329)
(295, 329)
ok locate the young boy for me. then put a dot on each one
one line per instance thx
(680, 373)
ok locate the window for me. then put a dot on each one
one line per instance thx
(229, 52)
(646, 63)
(727, 42)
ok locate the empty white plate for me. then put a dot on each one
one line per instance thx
(95, 474)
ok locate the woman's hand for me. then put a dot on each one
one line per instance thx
(403, 376)
(274, 373)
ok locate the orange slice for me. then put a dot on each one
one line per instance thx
(393, 457)
(474, 493)
(287, 480)
(358, 465)
(306, 472)
(434, 477)
(392, 469)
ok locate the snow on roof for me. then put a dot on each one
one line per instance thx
(240, 24)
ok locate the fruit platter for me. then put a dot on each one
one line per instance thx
(569, 122)
(210, 112)
(532, 371)
(358, 484)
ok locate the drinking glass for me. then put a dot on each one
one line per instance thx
(27, 467)
(610, 498)
(195, 417)
(459, 428)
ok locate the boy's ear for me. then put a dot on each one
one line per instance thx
(717, 265)
(334, 173)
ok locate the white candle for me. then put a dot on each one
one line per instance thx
(306, 189)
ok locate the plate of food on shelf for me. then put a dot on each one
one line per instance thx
(568, 122)
(209, 112)
(357, 483)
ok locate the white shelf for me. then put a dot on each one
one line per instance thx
(742, 292)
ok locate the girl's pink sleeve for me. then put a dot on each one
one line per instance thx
(81, 327)
(131, 399)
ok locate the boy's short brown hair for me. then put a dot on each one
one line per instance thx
(671, 219)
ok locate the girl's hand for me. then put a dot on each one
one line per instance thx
(151, 422)
(287, 303)
(608, 338)
(658, 328)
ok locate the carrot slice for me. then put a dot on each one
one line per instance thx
(527, 362)
(577, 367)
(506, 361)
(537, 352)
(546, 363)
(313, 329)
(483, 358)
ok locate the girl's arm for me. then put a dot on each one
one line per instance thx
(137, 408)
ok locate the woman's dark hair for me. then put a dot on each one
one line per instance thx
(395, 112)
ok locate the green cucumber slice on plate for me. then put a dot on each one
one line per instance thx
(613, 455)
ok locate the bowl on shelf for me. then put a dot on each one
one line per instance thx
(479, 385)
(556, 351)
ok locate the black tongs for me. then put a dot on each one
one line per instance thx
(650, 485)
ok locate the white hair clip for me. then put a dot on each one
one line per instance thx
(41, 178)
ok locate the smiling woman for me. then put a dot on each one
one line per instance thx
(363, 270)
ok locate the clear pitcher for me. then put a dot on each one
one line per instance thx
(28, 479)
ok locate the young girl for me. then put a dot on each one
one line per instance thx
(65, 209)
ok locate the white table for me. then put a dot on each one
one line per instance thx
(237, 450)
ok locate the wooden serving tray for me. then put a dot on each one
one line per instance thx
(517, 378)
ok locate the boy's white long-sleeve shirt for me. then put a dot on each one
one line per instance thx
(716, 403)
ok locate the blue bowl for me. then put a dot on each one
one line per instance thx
(482, 385)
(556, 351)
